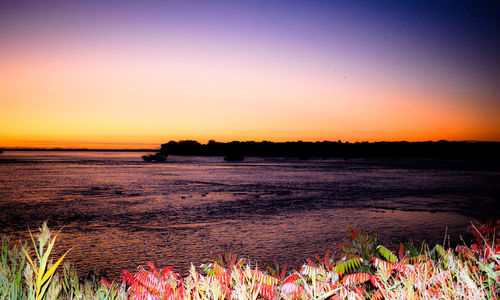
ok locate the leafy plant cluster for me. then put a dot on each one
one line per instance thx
(361, 269)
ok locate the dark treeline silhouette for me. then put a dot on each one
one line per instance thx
(79, 149)
(238, 150)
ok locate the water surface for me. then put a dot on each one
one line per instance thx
(119, 212)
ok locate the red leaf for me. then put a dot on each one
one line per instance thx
(378, 295)
(356, 278)
(291, 278)
(401, 252)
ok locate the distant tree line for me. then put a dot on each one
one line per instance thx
(441, 149)
(77, 149)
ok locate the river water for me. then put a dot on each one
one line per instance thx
(119, 212)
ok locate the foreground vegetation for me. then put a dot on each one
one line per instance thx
(361, 269)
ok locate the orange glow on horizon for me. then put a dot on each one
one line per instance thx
(108, 89)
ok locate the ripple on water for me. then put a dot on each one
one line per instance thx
(119, 212)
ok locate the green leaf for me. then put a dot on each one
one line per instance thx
(349, 265)
(53, 268)
(29, 258)
(387, 254)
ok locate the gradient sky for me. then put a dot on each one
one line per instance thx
(121, 74)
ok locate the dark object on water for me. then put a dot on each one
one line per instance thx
(233, 157)
(1, 151)
(154, 157)
(339, 149)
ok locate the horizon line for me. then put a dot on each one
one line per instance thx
(61, 148)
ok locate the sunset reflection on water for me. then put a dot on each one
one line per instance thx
(119, 212)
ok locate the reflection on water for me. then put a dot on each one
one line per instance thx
(119, 212)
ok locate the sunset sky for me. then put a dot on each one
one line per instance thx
(137, 74)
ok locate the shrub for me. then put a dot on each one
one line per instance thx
(362, 269)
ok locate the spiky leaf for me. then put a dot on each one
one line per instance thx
(348, 265)
(387, 254)
(355, 278)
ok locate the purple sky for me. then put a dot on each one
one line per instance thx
(428, 57)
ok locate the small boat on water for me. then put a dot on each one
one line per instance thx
(154, 157)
